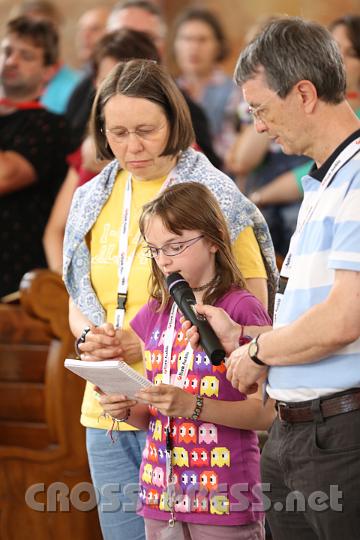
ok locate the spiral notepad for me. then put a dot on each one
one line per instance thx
(112, 376)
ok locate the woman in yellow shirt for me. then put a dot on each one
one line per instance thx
(141, 119)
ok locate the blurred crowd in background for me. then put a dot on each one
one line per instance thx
(47, 150)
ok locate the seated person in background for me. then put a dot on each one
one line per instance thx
(258, 160)
(33, 144)
(63, 78)
(199, 46)
(90, 29)
(111, 49)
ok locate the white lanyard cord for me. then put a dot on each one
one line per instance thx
(182, 372)
(346, 155)
(125, 259)
(184, 359)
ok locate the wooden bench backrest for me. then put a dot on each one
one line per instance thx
(41, 439)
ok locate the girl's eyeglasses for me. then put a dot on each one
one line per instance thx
(172, 249)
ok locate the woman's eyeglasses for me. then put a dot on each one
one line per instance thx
(172, 249)
(121, 135)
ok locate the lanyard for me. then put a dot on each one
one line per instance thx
(126, 259)
(21, 105)
(182, 371)
(306, 213)
(184, 359)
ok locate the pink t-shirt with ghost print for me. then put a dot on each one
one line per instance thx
(216, 468)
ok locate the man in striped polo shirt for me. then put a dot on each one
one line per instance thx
(293, 78)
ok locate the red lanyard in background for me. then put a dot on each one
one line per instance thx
(21, 105)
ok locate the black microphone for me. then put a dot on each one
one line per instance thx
(185, 300)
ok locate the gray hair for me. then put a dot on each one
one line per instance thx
(290, 50)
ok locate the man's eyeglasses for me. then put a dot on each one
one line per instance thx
(145, 133)
(258, 113)
(172, 249)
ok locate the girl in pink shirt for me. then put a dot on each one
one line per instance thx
(199, 476)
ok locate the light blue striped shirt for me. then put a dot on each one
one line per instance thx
(329, 241)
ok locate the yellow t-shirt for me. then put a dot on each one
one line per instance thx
(104, 246)
(248, 255)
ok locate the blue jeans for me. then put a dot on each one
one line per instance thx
(114, 468)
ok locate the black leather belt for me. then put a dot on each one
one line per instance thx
(329, 406)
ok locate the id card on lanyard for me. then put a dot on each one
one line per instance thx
(305, 215)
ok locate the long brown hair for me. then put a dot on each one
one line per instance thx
(191, 206)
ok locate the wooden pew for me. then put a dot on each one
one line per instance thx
(42, 444)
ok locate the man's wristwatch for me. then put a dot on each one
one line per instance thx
(253, 351)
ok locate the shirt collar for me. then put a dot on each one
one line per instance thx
(319, 173)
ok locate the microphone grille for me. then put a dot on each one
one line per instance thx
(173, 279)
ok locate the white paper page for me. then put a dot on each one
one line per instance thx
(112, 376)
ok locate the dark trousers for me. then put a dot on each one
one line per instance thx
(311, 477)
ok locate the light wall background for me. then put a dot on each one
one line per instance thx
(236, 15)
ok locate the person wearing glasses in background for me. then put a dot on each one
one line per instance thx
(199, 47)
(141, 121)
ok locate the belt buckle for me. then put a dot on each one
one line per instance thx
(281, 406)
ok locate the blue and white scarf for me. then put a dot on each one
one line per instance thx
(192, 166)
